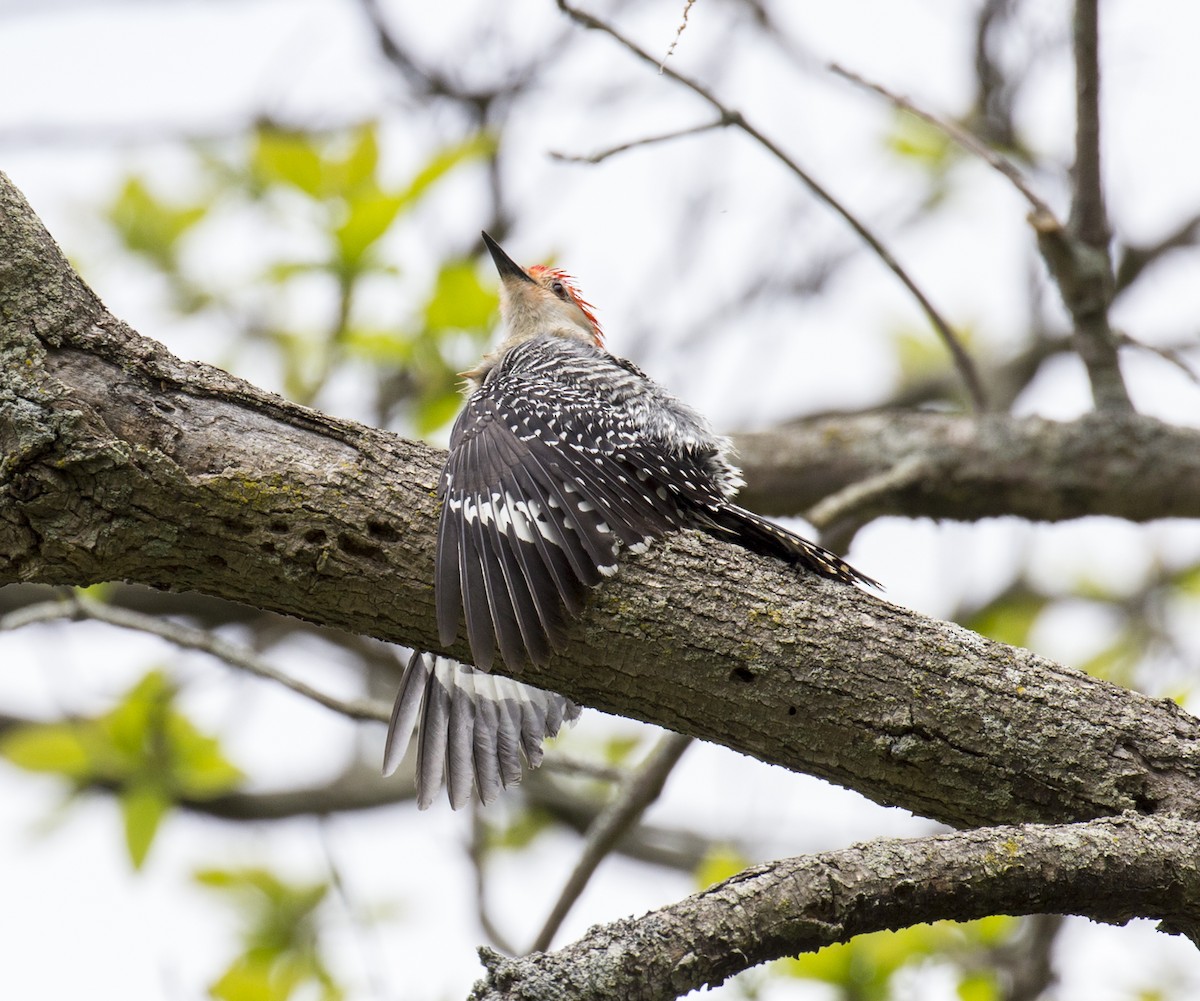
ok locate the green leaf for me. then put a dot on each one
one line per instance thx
(249, 978)
(478, 146)
(1118, 661)
(150, 227)
(980, 986)
(290, 158)
(912, 138)
(280, 953)
(201, 770)
(1188, 581)
(863, 967)
(519, 832)
(142, 809)
(1009, 618)
(618, 749)
(459, 300)
(47, 747)
(719, 864)
(359, 165)
(389, 347)
(369, 215)
(434, 412)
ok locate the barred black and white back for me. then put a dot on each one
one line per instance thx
(563, 455)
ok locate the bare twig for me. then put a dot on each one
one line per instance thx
(736, 119)
(635, 795)
(571, 764)
(687, 9)
(854, 497)
(477, 851)
(997, 89)
(1172, 355)
(77, 606)
(1133, 260)
(717, 123)
(956, 132)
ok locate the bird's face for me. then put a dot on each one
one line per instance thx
(542, 300)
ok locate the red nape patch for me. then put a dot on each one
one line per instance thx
(543, 275)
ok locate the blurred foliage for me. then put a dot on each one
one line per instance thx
(913, 141)
(864, 969)
(330, 195)
(280, 944)
(922, 356)
(721, 863)
(518, 831)
(1143, 634)
(144, 748)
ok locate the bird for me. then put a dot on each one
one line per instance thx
(563, 456)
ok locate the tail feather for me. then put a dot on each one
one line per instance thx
(471, 728)
(755, 533)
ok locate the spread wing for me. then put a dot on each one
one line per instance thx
(547, 477)
(472, 728)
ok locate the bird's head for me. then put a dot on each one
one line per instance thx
(541, 300)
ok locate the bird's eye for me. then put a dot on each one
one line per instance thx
(558, 288)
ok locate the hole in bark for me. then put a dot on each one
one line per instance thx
(267, 547)
(164, 406)
(791, 710)
(237, 526)
(743, 674)
(381, 530)
(280, 527)
(316, 536)
(357, 547)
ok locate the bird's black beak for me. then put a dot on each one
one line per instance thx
(507, 267)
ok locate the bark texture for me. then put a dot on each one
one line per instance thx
(121, 462)
(1118, 463)
(1110, 870)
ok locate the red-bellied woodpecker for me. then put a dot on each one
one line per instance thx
(563, 455)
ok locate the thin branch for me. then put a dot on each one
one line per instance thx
(1089, 220)
(717, 123)
(855, 498)
(1133, 260)
(1110, 870)
(1081, 262)
(1172, 355)
(76, 606)
(632, 800)
(736, 119)
(477, 851)
(687, 9)
(956, 132)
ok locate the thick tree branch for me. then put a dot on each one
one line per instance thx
(1117, 463)
(121, 462)
(1110, 870)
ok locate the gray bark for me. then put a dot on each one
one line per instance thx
(122, 462)
(1119, 464)
(118, 461)
(1110, 870)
